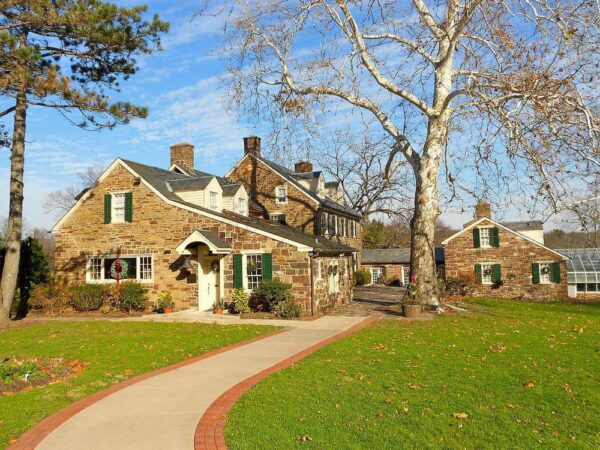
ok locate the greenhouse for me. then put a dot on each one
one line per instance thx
(583, 270)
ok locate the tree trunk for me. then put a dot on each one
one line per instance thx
(10, 271)
(423, 270)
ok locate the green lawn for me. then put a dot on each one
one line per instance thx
(510, 375)
(114, 351)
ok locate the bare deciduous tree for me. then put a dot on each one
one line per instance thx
(60, 201)
(501, 88)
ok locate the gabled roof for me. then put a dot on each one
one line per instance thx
(385, 255)
(190, 184)
(504, 227)
(525, 225)
(157, 180)
(230, 189)
(292, 178)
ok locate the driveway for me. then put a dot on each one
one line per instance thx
(376, 300)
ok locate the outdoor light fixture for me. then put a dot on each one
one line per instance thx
(186, 263)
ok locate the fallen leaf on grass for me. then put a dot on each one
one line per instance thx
(529, 385)
(460, 415)
(305, 438)
(577, 330)
(568, 388)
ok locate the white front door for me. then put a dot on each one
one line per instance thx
(209, 289)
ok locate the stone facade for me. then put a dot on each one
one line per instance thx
(301, 211)
(515, 256)
(391, 272)
(156, 229)
(324, 297)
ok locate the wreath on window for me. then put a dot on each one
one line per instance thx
(545, 270)
(124, 269)
(487, 272)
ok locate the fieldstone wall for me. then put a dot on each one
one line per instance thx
(515, 255)
(323, 299)
(390, 271)
(157, 229)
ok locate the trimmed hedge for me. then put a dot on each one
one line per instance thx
(362, 277)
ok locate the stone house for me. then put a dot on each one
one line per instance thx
(507, 259)
(392, 265)
(196, 235)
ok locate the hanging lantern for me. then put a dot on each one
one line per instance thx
(186, 263)
(215, 266)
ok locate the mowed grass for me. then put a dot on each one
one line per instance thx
(508, 375)
(114, 351)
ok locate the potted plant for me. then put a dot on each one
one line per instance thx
(411, 306)
(218, 307)
(165, 302)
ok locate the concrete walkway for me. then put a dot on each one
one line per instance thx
(162, 412)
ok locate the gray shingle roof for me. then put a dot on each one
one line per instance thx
(158, 179)
(524, 225)
(394, 255)
(230, 189)
(292, 177)
(190, 184)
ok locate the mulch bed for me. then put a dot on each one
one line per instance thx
(48, 371)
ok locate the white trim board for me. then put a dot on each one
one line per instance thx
(516, 233)
(116, 162)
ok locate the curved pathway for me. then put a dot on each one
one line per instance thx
(163, 411)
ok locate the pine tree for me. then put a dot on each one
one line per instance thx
(66, 55)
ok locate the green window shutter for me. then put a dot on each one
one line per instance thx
(107, 207)
(476, 240)
(555, 272)
(478, 274)
(496, 273)
(495, 237)
(535, 273)
(267, 266)
(238, 277)
(128, 207)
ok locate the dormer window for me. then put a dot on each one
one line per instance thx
(281, 195)
(214, 200)
(241, 206)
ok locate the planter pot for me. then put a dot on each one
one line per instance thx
(411, 310)
(167, 310)
(217, 310)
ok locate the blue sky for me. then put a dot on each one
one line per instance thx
(182, 88)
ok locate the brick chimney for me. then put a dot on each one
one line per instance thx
(483, 209)
(303, 166)
(183, 155)
(252, 145)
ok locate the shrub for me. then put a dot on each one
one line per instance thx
(86, 297)
(362, 277)
(49, 297)
(165, 300)
(240, 301)
(458, 286)
(269, 293)
(287, 309)
(133, 296)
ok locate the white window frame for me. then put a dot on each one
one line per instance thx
(333, 278)
(545, 278)
(335, 225)
(318, 272)
(405, 275)
(245, 280)
(484, 278)
(113, 207)
(274, 217)
(325, 224)
(213, 195)
(241, 206)
(103, 280)
(354, 228)
(278, 197)
(488, 237)
(381, 271)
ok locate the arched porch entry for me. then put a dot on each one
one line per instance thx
(209, 251)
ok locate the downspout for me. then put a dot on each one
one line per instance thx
(311, 256)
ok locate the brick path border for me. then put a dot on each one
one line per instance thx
(32, 438)
(210, 430)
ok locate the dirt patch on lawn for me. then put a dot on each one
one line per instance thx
(22, 374)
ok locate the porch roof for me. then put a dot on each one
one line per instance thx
(214, 242)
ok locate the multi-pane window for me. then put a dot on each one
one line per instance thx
(325, 223)
(214, 200)
(105, 269)
(281, 194)
(277, 217)
(95, 269)
(588, 287)
(485, 237)
(145, 268)
(376, 274)
(486, 273)
(241, 206)
(406, 276)
(335, 226)
(333, 278)
(118, 208)
(254, 270)
(354, 228)
(545, 272)
(318, 270)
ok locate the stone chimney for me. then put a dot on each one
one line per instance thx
(252, 145)
(183, 155)
(303, 166)
(483, 209)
